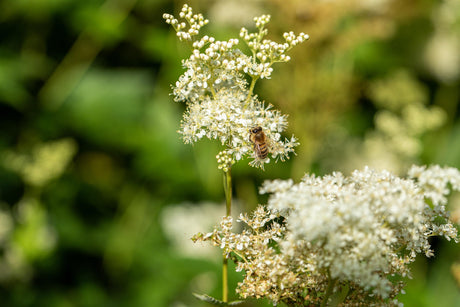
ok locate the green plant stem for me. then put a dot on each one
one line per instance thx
(228, 190)
(228, 205)
(225, 279)
(251, 89)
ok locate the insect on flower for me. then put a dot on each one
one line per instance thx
(260, 140)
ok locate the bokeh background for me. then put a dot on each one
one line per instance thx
(98, 194)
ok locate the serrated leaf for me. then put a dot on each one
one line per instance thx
(209, 299)
(234, 303)
(213, 301)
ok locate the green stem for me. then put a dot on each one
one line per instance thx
(228, 190)
(213, 92)
(228, 205)
(329, 290)
(251, 89)
(225, 280)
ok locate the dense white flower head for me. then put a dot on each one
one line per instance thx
(218, 84)
(355, 233)
(228, 119)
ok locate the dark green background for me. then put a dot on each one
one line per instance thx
(99, 73)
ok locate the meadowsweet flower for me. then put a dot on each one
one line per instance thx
(220, 100)
(46, 162)
(442, 51)
(181, 221)
(227, 119)
(403, 118)
(349, 234)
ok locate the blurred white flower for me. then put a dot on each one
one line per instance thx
(181, 222)
(47, 162)
(442, 56)
(235, 12)
(442, 53)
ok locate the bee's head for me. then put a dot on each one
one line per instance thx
(255, 130)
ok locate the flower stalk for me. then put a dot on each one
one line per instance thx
(228, 190)
(228, 206)
(225, 279)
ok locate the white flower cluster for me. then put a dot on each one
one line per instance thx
(220, 102)
(348, 234)
(252, 253)
(217, 66)
(227, 118)
(194, 21)
(266, 51)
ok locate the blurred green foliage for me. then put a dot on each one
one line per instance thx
(89, 154)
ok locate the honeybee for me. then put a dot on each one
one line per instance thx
(259, 139)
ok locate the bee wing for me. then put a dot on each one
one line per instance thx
(256, 149)
(273, 146)
(270, 144)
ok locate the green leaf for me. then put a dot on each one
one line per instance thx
(213, 301)
(338, 297)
